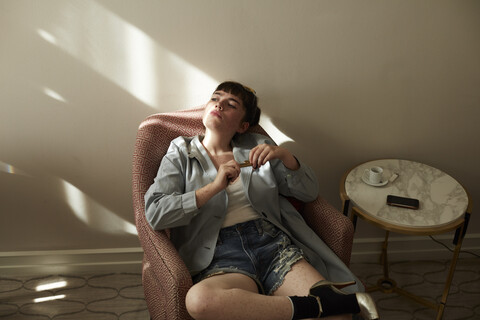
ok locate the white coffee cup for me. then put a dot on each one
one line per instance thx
(374, 174)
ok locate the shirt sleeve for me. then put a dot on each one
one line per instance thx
(167, 205)
(301, 184)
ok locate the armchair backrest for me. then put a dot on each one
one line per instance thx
(153, 138)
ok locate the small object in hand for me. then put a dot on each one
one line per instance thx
(244, 164)
(393, 177)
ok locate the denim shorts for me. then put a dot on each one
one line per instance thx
(254, 248)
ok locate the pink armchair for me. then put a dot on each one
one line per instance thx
(166, 279)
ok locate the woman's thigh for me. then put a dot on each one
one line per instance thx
(226, 281)
(207, 298)
(299, 280)
(214, 288)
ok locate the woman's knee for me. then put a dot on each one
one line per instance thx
(200, 301)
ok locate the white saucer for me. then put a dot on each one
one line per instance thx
(381, 183)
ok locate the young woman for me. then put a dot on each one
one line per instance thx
(251, 255)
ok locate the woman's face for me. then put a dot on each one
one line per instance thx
(225, 112)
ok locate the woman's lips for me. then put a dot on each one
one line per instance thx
(216, 114)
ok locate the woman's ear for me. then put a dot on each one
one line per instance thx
(243, 127)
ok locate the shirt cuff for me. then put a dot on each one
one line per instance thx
(189, 203)
(294, 176)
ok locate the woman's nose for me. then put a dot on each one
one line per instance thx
(219, 106)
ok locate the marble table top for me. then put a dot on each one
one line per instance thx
(442, 199)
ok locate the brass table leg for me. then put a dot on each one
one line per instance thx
(388, 285)
(384, 284)
(451, 272)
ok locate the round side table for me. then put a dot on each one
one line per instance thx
(444, 206)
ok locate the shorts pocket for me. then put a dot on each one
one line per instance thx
(269, 229)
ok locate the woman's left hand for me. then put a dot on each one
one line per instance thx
(263, 153)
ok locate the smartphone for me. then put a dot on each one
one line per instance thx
(402, 202)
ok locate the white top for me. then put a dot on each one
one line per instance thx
(239, 209)
(442, 199)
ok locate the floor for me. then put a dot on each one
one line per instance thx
(85, 296)
(120, 296)
(426, 279)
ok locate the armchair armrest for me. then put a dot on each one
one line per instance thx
(166, 279)
(335, 229)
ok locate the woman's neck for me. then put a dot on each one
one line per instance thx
(217, 144)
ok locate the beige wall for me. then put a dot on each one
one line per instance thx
(346, 81)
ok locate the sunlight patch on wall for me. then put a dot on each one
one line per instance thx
(47, 36)
(278, 136)
(54, 95)
(8, 168)
(127, 56)
(141, 80)
(94, 214)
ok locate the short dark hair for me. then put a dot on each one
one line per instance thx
(248, 97)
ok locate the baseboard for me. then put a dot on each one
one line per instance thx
(71, 261)
(411, 248)
(400, 248)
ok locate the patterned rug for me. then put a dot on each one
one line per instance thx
(120, 295)
(62, 297)
(426, 279)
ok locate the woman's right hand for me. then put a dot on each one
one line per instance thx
(227, 172)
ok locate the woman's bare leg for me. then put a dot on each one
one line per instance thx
(234, 296)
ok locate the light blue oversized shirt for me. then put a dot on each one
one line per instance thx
(170, 203)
